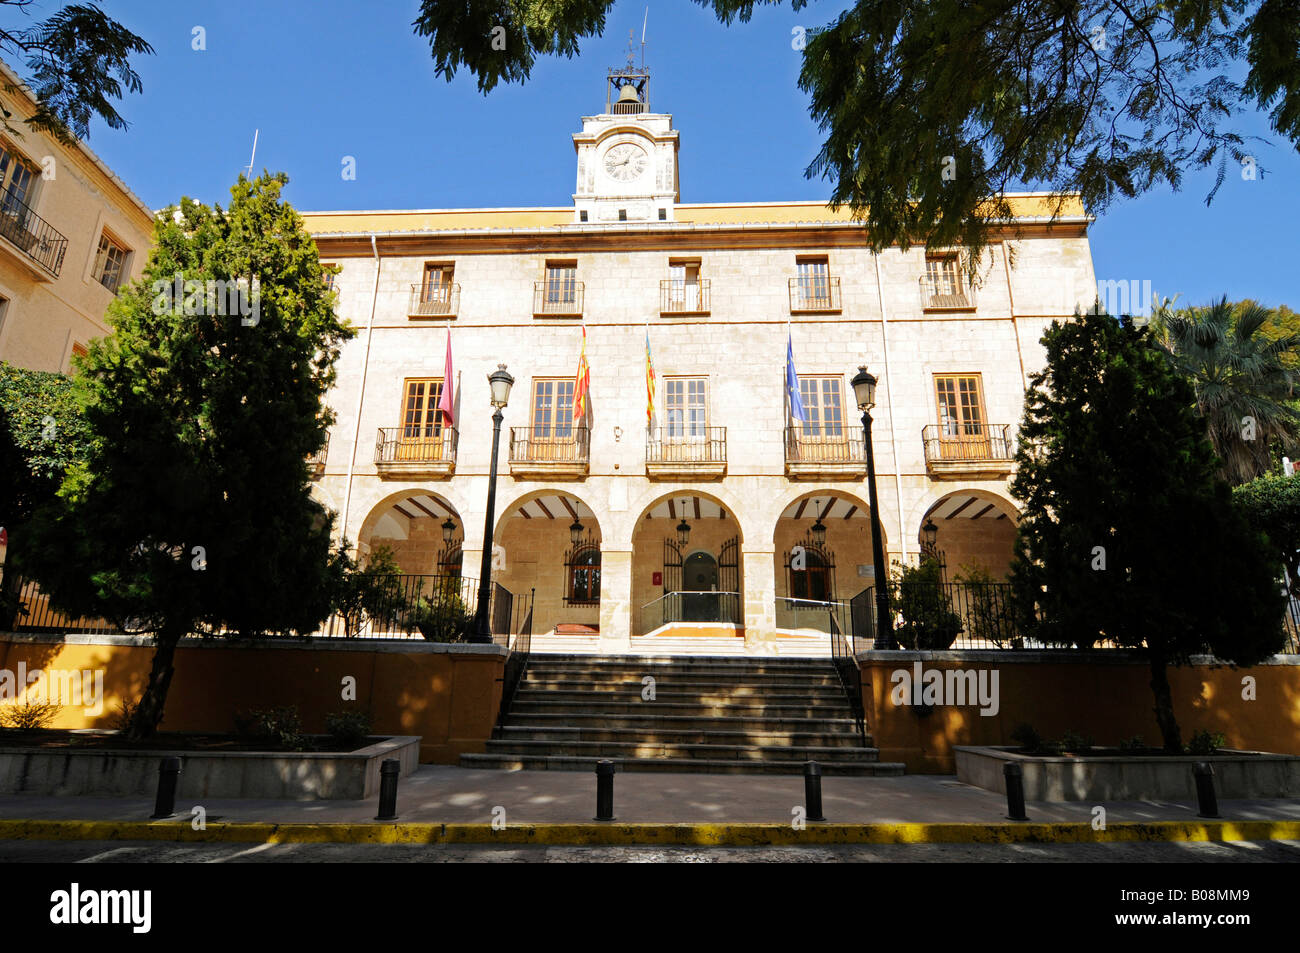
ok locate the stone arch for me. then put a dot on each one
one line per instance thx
(976, 527)
(410, 522)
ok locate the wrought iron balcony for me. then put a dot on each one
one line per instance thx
(686, 453)
(434, 301)
(818, 450)
(316, 462)
(550, 451)
(815, 293)
(945, 295)
(36, 238)
(415, 451)
(684, 297)
(968, 449)
(558, 298)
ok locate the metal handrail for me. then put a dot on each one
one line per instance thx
(434, 300)
(815, 293)
(397, 445)
(558, 297)
(709, 446)
(38, 239)
(684, 297)
(962, 298)
(973, 442)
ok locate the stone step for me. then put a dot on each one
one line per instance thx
(509, 762)
(595, 699)
(676, 682)
(636, 749)
(662, 721)
(721, 662)
(760, 737)
(802, 708)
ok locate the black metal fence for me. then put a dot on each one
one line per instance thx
(40, 240)
(846, 667)
(517, 660)
(36, 614)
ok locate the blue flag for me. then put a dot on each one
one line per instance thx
(792, 383)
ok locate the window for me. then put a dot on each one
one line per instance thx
(961, 410)
(422, 425)
(683, 286)
(822, 406)
(110, 263)
(561, 283)
(328, 276)
(943, 285)
(622, 215)
(686, 405)
(583, 567)
(663, 215)
(15, 179)
(813, 581)
(582, 216)
(552, 410)
(436, 286)
(814, 282)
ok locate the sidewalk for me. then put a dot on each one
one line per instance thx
(449, 804)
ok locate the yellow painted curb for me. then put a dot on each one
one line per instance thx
(705, 835)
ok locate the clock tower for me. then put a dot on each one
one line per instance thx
(627, 156)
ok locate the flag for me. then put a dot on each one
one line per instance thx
(649, 384)
(792, 383)
(581, 381)
(448, 401)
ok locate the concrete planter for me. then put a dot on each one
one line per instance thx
(299, 776)
(1103, 777)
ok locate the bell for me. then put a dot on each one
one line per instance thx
(628, 96)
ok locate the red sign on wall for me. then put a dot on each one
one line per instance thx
(657, 579)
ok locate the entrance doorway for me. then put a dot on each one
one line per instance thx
(699, 575)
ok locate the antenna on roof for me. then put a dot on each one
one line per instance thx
(644, 21)
(253, 156)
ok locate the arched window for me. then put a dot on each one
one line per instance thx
(583, 569)
(449, 561)
(811, 572)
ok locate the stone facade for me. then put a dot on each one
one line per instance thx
(52, 220)
(877, 311)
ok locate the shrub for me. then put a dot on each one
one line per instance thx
(1133, 744)
(917, 594)
(122, 716)
(1029, 738)
(989, 613)
(1080, 744)
(1206, 742)
(444, 618)
(348, 727)
(278, 727)
(29, 716)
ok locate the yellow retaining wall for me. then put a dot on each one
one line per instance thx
(447, 694)
(1102, 695)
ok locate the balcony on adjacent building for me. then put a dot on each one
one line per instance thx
(968, 450)
(557, 299)
(550, 452)
(419, 451)
(944, 292)
(684, 297)
(684, 453)
(38, 241)
(434, 301)
(815, 451)
(815, 294)
(316, 462)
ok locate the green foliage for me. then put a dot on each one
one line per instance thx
(1206, 742)
(1101, 98)
(79, 61)
(123, 715)
(918, 594)
(444, 617)
(1133, 744)
(1271, 505)
(1027, 736)
(1076, 743)
(348, 727)
(29, 716)
(274, 727)
(1120, 500)
(989, 615)
(1245, 378)
(193, 511)
(374, 592)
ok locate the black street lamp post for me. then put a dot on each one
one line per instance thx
(500, 382)
(864, 390)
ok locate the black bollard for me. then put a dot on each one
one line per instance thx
(1015, 778)
(388, 772)
(1207, 802)
(169, 772)
(604, 790)
(812, 790)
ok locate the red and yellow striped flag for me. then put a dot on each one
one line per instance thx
(649, 384)
(581, 381)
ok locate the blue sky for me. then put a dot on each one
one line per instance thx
(325, 79)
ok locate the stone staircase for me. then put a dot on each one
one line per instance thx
(713, 715)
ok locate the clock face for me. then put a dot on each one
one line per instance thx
(625, 162)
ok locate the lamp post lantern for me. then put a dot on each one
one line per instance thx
(864, 392)
(500, 382)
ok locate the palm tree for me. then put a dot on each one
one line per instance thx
(1246, 384)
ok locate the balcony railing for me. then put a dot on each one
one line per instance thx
(37, 238)
(563, 298)
(722, 608)
(815, 293)
(557, 451)
(415, 451)
(686, 453)
(435, 301)
(684, 297)
(822, 449)
(316, 462)
(943, 295)
(968, 447)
